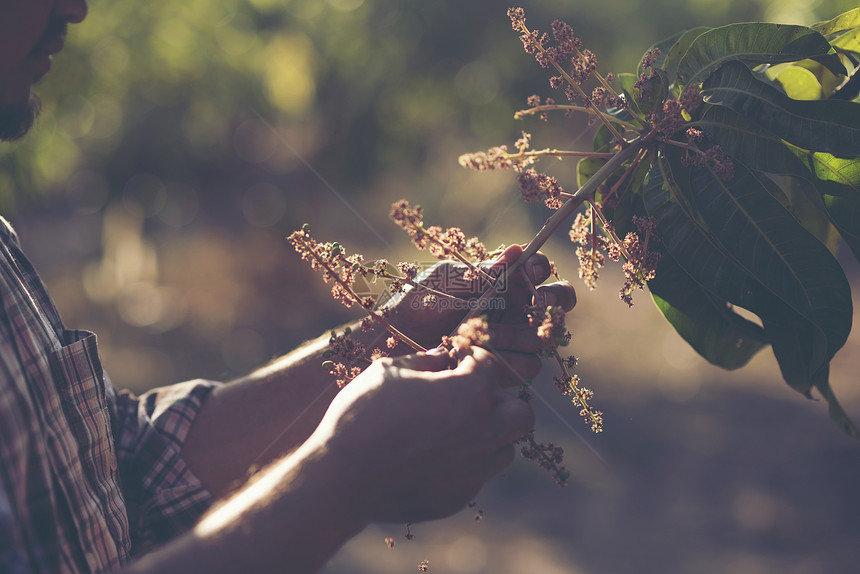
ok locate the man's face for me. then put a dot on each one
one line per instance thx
(31, 31)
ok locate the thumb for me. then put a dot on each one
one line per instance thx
(433, 360)
(508, 256)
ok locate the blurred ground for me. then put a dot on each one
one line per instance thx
(182, 141)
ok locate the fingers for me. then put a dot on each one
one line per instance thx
(500, 368)
(519, 367)
(560, 293)
(518, 337)
(537, 266)
(433, 360)
(513, 418)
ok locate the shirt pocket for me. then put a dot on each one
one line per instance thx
(79, 379)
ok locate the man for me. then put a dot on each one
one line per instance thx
(92, 479)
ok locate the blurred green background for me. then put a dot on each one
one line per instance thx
(181, 141)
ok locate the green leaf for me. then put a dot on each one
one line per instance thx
(739, 243)
(586, 168)
(664, 46)
(828, 167)
(673, 58)
(845, 21)
(627, 82)
(799, 83)
(652, 93)
(753, 42)
(706, 322)
(844, 212)
(837, 415)
(836, 180)
(849, 41)
(802, 200)
(830, 126)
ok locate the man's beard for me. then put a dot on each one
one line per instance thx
(15, 122)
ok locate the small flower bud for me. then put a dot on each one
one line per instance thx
(328, 365)
(306, 227)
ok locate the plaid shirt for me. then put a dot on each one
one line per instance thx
(88, 476)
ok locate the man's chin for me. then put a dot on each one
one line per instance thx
(16, 121)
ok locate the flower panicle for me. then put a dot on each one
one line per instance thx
(548, 456)
(571, 387)
(640, 262)
(439, 242)
(474, 332)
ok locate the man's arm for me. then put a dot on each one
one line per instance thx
(407, 440)
(258, 418)
(246, 424)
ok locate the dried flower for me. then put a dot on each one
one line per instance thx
(536, 186)
(547, 455)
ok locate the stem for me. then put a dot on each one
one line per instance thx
(456, 255)
(579, 396)
(568, 108)
(630, 169)
(604, 223)
(376, 316)
(576, 86)
(416, 285)
(557, 153)
(560, 216)
(681, 145)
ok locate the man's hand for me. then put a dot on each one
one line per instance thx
(407, 440)
(511, 337)
(422, 439)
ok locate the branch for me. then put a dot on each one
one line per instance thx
(556, 219)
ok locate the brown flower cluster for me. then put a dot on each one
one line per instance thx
(472, 332)
(641, 263)
(494, 158)
(591, 246)
(648, 61)
(351, 357)
(441, 243)
(330, 260)
(580, 397)
(575, 63)
(715, 159)
(536, 186)
(547, 455)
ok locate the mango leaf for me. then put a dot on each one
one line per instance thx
(799, 83)
(704, 321)
(849, 41)
(688, 240)
(802, 200)
(664, 46)
(586, 168)
(627, 82)
(841, 23)
(828, 167)
(837, 415)
(844, 212)
(839, 183)
(678, 49)
(652, 93)
(754, 42)
(829, 126)
(737, 241)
